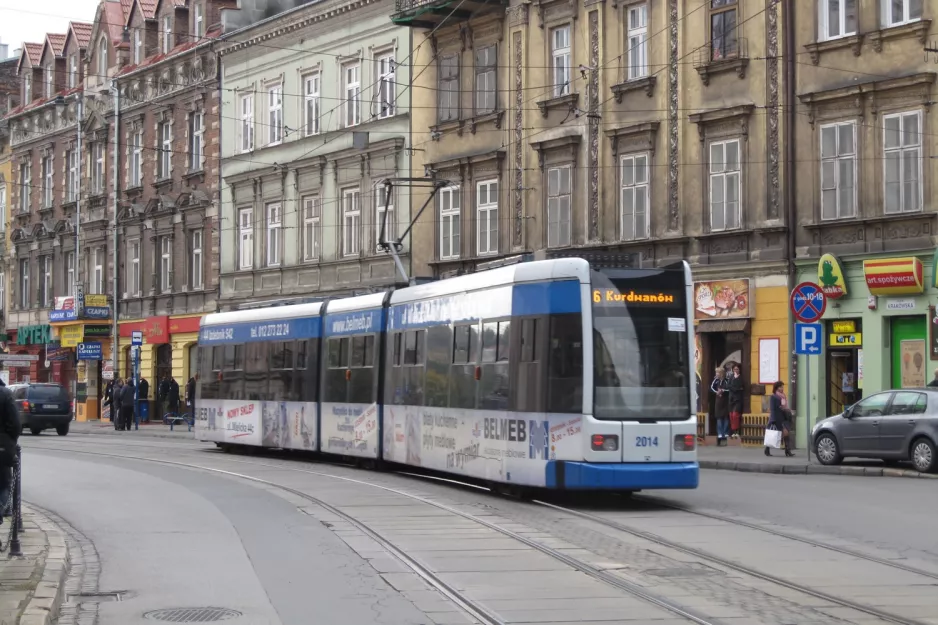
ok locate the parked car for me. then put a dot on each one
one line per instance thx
(894, 426)
(43, 407)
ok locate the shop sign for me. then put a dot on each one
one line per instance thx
(97, 300)
(97, 312)
(843, 327)
(894, 276)
(55, 351)
(57, 316)
(185, 324)
(107, 370)
(71, 336)
(65, 303)
(89, 351)
(155, 329)
(92, 330)
(830, 276)
(903, 303)
(933, 333)
(722, 299)
(853, 339)
(34, 335)
(912, 363)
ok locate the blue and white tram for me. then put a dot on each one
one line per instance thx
(545, 374)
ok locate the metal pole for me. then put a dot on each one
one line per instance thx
(81, 115)
(136, 386)
(19, 480)
(115, 335)
(15, 547)
(807, 408)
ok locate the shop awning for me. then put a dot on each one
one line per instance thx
(722, 325)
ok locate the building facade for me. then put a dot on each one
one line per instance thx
(9, 99)
(615, 126)
(864, 189)
(312, 127)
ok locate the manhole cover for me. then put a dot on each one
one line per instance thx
(192, 615)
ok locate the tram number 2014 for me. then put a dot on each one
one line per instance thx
(646, 441)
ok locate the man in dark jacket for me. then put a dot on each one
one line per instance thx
(116, 404)
(172, 397)
(10, 429)
(162, 396)
(190, 395)
(127, 405)
(143, 391)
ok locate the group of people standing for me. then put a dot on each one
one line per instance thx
(119, 395)
(728, 392)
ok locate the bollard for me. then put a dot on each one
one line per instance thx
(19, 480)
(15, 547)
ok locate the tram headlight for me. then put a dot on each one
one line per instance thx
(605, 442)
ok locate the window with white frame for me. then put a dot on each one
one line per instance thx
(384, 214)
(838, 18)
(274, 234)
(637, 41)
(71, 176)
(133, 268)
(70, 274)
(725, 185)
(164, 165)
(633, 197)
(386, 86)
(97, 271)
(902, 162)
(311, 111)
(199, 21)
(247, 122)
(196, 143)
(45, 281)
(136, 159)
(24, 283)
(138, 46)
(274, 114)
(195, 259)
(486, 85)
(97, 168)
(50, 81)
(166, 264)
(28, 87)
(450, 204)
(898, 12)
(353, 94)
(47, 182)
(351, 222)
(448, 88)
(245, 238)
(3, 292)
(73, 71)
(560, 60)
(311, 227)
(167, 34)
(559, 220)
(838, 170)
(26, 186)
(3, 207)
(487, 217)
(102, 59)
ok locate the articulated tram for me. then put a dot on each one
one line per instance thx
(550, 374)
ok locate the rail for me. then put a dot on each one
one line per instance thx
(15, 504)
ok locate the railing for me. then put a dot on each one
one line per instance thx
(725, 48)
(16, 508)
(401, 6)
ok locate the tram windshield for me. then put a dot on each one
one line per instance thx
(640, 345)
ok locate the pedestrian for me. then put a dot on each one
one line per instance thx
(127, 405)
(116, 404)
(736, 400)
(780, 416)
(109, 398)
(10, 429)
(190, 395)
(935, 381)
(162, 394)
(721, 404)
(172, 397)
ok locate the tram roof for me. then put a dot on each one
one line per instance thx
(360, 302)
(295, 311)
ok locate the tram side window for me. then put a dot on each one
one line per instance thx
(361, 381)
(208, 372)
(281, 371)
(256, 371)
(565, 364)
(232, 372)
(337, 363)
(305, 381)
(493, 383)
(528, 390)
(462, 382)
(438, 364)
(405, 384)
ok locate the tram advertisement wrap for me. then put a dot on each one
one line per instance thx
(495, 445)
(290, 425)
(350, 429)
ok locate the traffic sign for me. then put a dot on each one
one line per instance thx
(808, 302)
(808, 338)
(136, 337)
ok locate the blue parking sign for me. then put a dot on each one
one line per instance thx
(808, 338)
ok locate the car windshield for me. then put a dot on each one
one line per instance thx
(640, 345)
(51, 392)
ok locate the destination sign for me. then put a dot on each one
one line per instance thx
(614, 296)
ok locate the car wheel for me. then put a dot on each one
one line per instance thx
(62, 430)
(923, 455)
(36, 431)
(826, 450)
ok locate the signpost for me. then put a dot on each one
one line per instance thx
(808, 304)
(136, 340)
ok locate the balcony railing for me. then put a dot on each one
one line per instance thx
(431, 13)
(720, 49)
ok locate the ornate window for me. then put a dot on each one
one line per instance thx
(487, 217)
(838, 170)
(902, 162)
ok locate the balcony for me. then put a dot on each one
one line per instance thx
(433, 13)
(723, 54)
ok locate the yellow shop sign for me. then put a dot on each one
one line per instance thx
(853, 339)
(71, 336)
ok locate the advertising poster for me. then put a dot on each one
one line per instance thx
(912, 363)
(722, 299)
(350, 429)
(299, 431)
(272, 420)
(242, 422)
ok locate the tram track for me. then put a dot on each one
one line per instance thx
(485, 616)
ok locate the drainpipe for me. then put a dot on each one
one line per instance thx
(788, 52)
(115, 334)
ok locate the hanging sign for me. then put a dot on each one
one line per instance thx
(830, 275)
(894, 276)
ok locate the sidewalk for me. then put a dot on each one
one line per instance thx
(32, 587)
(153, 430)
(754, 460)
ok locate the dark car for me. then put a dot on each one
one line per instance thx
(894, 426)
(43, 407)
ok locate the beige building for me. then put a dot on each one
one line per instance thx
(654, 129)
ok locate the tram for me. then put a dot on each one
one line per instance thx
(552, 373)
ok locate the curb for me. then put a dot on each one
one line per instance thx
(112, 432)
(43, 606)
(812, 469)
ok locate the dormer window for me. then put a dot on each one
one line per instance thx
(199, 21)
(138, 46)
(28, 86)
(102, 58)
(167, 34)
(73, 71)
(50, 81)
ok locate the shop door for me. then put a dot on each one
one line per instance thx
(842, 380)
(909, 352)
(164, 362)
(722, 350)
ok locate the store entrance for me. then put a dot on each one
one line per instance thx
(843, 380)
(722, 349)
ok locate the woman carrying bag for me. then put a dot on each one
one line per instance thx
(721, 405)
(779, 419)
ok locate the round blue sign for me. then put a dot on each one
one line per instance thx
(808, 302)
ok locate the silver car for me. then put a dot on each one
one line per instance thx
(893, 426)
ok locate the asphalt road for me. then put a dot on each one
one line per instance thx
(894, 514)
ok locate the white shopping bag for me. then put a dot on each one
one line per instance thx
(773, 439)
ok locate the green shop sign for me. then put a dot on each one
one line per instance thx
(34, 335)
(97, 331)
